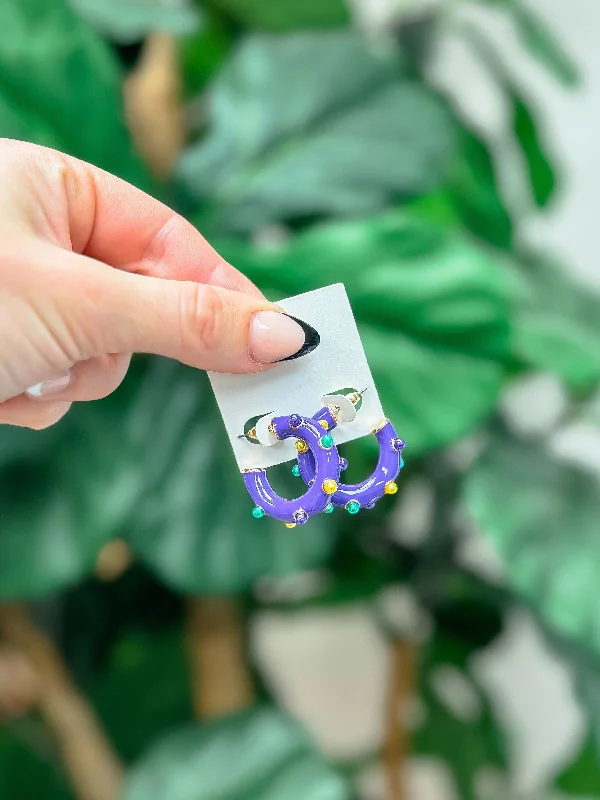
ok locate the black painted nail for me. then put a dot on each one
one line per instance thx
(311, 340)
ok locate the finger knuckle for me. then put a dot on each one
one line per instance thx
(201, 316)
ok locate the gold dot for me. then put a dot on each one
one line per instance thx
(330, 486)
(301, 446)
(324, 424)
(290, 524)
(390, 488)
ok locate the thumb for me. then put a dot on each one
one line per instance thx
(204, 326)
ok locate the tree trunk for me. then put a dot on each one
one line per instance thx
(403, 663)
(153, 104)
(221, 681)
(90, 762)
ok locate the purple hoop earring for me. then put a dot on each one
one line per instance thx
(382, 480)
(323, 482)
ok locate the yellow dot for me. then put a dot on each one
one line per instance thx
(324, 424)
(290, 524)
(390, 488)
(301, 446)
(330, 486)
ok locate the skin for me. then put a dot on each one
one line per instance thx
(92, 270)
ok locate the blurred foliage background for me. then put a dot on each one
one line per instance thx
(308, 150)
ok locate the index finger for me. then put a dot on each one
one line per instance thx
(111, 221)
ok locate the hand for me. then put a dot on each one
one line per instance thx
(92, 270)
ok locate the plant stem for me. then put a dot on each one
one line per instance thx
(153, 104)
(221, 681)
(94, 770)
(403, 662)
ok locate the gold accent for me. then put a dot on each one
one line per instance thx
(355, 397)
(252, 434)
(335, 413)
(301, 446)
(290, 524)
(330, 486)
(381, 424)
(254, 469)
(324, 424)
(272, 430)
(390, 487)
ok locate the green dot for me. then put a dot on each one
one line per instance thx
(329, 508)
(296, 471)
(258, 512)
(353, 507)
(326, 441)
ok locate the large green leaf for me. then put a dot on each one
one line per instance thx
(286, 14)
(142, 690)
(60, 86)
(194, 526)
(258, 755)
(433, 311)
(63, 499)
(542, 516)
(315, 124)
(557, 328)
(42, 547)
(126, 21)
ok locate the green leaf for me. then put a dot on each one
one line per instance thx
(433, 311)
(542, 516)
(538, 161)
(286, 14)
(60, 86)
(467, 738)
(193, 526)
(203, 54)
(473, 185)
(314, 124)
(557, 328)
(133, 700)
(582, 776)
(42, 546)
(27, 764)
(126, 21)
(542, 44)
(258, 755)
(62, 500)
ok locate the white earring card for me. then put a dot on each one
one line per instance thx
(339, 362)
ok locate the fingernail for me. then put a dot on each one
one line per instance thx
(275, 336)
(51, 387)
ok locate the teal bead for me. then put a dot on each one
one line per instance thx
(326, 441)
(258, 512)
(296, 471)
(401, 463)
(353, 507)
(329, 508)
